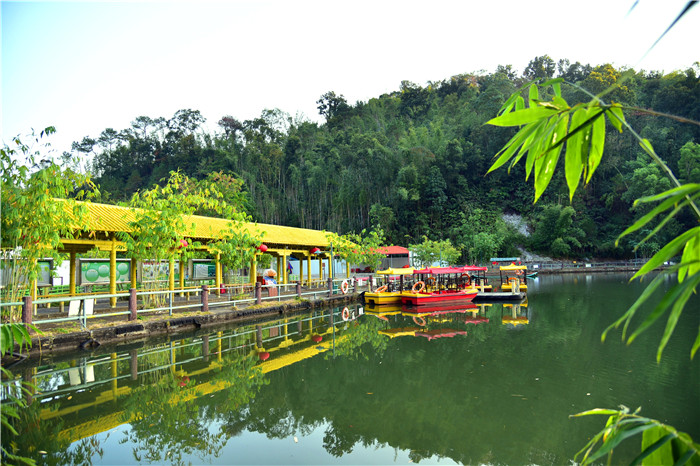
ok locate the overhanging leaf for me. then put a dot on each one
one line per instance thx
(522, 117)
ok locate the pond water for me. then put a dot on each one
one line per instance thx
(487, 384)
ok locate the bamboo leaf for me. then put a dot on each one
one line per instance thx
(669, 297)
(646, 145)
(615, 116)
(596, 412)
(653, 440)
(668, 203)
(690, 257)
(696, 346)
(533, 95)
(615, 439)
(627, 316)
(522, 117)
(686, 189)
(667, 252)
(676, 310)
(574, 160)
(597, 145)
(519, 103)
(548, 163)
(516, 141)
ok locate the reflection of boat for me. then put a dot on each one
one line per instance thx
(511, 274)
(447, 308)
(391, 291)
(515, 319)
(383, 311)
(419, 332)
(441, 285)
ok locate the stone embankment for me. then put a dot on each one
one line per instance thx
(55, 340)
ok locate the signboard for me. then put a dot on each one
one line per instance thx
(44, 278)
(203, 269)
(96, 271)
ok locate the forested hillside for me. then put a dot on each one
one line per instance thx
(414, 162)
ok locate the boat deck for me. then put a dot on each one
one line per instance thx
(499, 296)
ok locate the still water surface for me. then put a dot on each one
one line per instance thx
(488, 384)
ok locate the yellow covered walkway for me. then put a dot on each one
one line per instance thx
(107, 221)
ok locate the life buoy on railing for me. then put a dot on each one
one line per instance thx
(344, 287)
(430, 281)
(420, 285)
(346, 314)
(419, 321)
(468, 280)
(382, 289)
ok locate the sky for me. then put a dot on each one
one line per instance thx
(87, 66)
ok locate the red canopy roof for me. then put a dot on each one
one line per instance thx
(392, 250)
(444, 270)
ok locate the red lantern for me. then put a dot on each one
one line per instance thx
(262, 247)
(264, 356)
(183, 244)
(317, 338)
(314, 250)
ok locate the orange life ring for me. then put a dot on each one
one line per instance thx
(518, 272)
(346, 314)
(422, 285)
(382, 289)
(419, 321)
(344, 287)
(430, 281)
(469, 278)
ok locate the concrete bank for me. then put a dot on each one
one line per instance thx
(125, 332)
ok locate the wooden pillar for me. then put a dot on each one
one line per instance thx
(183, 264)
(285, 273)
(278, 263)
(171, 273)
(301, 271)
(113, 272)
(71, 278)
(320, 268)
(308, 267)
(253, 270)
(134, 266)
(218, 274)
(347, 268)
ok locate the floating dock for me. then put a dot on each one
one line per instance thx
(498, 296)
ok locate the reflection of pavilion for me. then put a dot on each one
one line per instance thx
(289, 340)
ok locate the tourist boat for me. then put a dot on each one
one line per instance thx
(390, 292)
(437, 285)
(512, 273)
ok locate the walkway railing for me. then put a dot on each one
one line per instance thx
(139, 303)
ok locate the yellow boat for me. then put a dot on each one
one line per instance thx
(511, 273)
(391, 292)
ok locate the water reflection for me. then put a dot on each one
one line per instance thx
(487, 383)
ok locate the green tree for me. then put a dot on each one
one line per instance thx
(33, 222)
(429, 252)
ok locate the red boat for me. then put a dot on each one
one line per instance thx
(437, 285)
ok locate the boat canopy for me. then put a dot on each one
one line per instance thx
(399, 271)
(513, 267)
(446, 270)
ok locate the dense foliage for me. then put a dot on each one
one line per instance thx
(413, 162)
